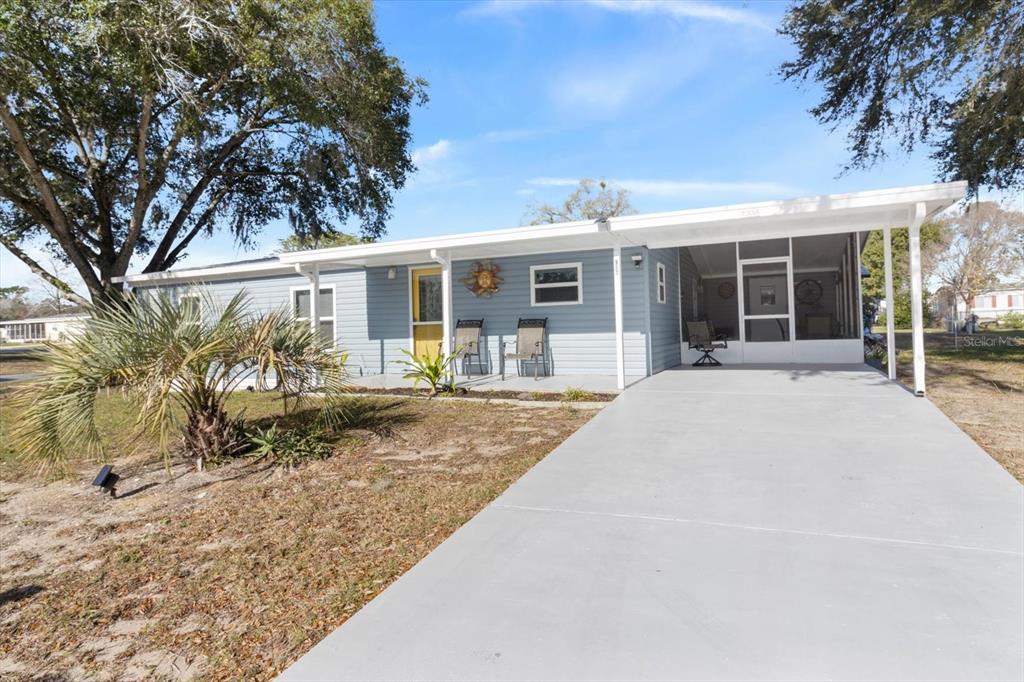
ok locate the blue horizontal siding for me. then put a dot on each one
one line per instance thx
(372, 311)
(581, 336)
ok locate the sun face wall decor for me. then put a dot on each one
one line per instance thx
(483, 278)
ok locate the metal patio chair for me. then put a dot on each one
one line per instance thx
(701, 337)
(529, 344)
(467, 343)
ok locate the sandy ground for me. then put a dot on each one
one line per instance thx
(235, 572)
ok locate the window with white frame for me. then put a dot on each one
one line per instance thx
(662, 284)
(560, 284)
(191, 308)
(325, 309)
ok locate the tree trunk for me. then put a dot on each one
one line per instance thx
(211, 435)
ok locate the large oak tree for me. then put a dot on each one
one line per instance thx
(132, 127)
(949, 74)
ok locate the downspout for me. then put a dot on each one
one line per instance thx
(648, 330)
(620, 352)
(890, 306)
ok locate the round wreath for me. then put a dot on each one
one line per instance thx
(483, 278)
(808, 292)
(726, 290)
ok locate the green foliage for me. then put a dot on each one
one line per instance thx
(153, 122)
(903, 318)
(171, 364)
(289, 447)
(873, 258)
(1012, 321)
(295, 242)
(436, 370)
(592, 200)
(948, 74)
(571, 394)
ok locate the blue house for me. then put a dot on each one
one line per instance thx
(779, 281)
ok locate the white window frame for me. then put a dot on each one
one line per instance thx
(556, 266)
(323, 318)
(199, 302)
(661, 280)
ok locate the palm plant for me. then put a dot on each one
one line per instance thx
(435, 370)
(181, 367)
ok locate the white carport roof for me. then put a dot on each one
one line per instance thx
(874, 209)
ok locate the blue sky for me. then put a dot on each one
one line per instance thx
(677, 102)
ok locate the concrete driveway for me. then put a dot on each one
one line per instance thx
(722, 524)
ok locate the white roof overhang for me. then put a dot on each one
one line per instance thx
(827, 214)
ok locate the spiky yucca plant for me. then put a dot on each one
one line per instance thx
(169, 358)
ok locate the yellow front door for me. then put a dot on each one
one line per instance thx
(427, 327)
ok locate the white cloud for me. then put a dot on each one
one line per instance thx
(663, 189)
(686, 10)
(689, 188)
(438, 151)
(694, 9)
(554, 182)
(434, 163)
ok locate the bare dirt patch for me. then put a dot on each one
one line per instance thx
(235, 572)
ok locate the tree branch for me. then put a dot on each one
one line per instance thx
(36, 268)
(58, 223)
(142, 191)
(163, 249)
(201, 222)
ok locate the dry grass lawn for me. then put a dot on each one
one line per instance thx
(979, 383)
(235, 572)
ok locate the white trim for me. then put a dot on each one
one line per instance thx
(620, 347)
(558, 285)
(321, 317)
(408, 292)
(828, 214)
(446, 300)
(198, 297)
(661, 282)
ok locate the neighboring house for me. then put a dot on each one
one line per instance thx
(56, 328)
(993, 304)
(778, 279)
(989, 305)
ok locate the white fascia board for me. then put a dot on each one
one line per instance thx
(270, 267)
(938, 196)
(358, 252)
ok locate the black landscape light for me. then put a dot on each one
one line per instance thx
(107, 479)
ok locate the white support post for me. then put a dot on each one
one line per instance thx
(620, 354)
(916, 296)
(860, 290)
(890, 306)
(446, 299)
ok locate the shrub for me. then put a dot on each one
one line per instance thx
(1012, 321)
(172, 361)
(436, 370)
(573, 395)
(290, 447)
